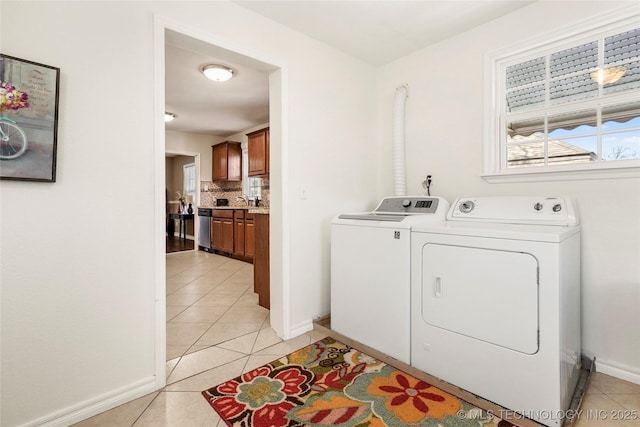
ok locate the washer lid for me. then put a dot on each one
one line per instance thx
(398, 211)
(374, 217)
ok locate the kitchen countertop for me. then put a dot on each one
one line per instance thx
(250, 209)
(226, 207)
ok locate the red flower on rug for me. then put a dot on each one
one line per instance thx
(396, 395)
(338, 379)
(263, 396)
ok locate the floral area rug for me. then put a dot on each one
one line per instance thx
(331, 384)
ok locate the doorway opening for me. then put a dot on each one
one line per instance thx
(182, 173)
(279, 310)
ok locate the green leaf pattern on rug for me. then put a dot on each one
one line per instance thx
(260, 391)
(331, 409)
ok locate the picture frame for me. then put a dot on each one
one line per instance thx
(29, 95)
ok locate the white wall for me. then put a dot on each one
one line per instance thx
(78, 270)
(185, 142)
(444, 129)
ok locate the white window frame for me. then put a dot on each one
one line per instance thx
(251, 185)
(495, 170)
(187, 191)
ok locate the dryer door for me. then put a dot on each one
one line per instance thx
(485, 294)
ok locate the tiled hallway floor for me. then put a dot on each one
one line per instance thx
(210, 301)
(216, 331)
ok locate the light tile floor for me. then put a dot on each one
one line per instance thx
(611, 402)
(216, 331)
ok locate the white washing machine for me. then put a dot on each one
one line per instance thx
(496, 302)
(370, 271)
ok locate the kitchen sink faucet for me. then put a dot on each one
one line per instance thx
(245, 198)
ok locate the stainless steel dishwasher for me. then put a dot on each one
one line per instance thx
(204, 229)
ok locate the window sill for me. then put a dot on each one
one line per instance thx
(564, 174)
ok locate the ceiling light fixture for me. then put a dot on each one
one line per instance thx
(169, 116)
(217, 73)
(604, 76)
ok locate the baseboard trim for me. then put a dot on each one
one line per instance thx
(96, 405)
(300, 328)
(617, 370)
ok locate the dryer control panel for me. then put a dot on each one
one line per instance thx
(408, 205)
(559, 211)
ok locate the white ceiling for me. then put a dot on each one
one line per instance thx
(377, 32)
(208, 107)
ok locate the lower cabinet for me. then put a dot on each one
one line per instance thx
(249, 236)
(227, 235)
(261, 271)
(238, 237)
(232, 232)
(222, 230)
(216, 233)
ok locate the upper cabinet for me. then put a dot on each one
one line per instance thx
(259, 152)
(227, 162)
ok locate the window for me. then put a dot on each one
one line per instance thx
(254, 187)
(251, 185)
(189, 181)
(567, 106)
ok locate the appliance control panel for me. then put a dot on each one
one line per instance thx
(408, 205)
(515, 210)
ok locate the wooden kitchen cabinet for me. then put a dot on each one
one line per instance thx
(226, 162)
(232, 232)
(222, 230)
(216, 233)
(261, 272)
(249, 236)
(239, 233)
(259, 152)
(227, 235)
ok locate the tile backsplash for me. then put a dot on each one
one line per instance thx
(209, 191)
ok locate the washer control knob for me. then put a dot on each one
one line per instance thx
(538, 206)
(466, 206)
(557, 207)
(406, 203)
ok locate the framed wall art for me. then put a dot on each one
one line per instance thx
(28, 119)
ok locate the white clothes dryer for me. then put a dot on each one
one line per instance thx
(496, 302)
(371, 272)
